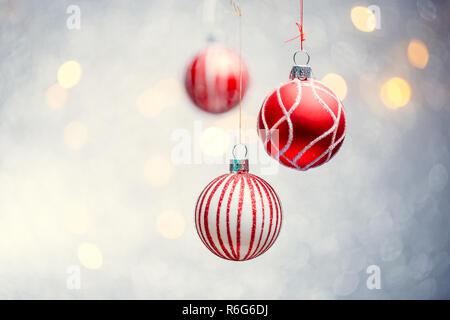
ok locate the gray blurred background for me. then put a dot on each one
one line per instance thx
(89, 189)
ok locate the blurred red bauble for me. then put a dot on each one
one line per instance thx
(212, 79)
(302, 123)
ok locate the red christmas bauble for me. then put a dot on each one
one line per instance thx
(302, 124)
(212, 79)
(238, 216)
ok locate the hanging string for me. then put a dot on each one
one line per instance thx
(209, 18)
(237, 12)
(209, 12)
(300, 28)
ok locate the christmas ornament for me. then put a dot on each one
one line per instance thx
(238, 215)
(213, 79)
(302, 122)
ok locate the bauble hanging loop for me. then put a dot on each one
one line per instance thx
(308, 57)
(302, 71)
(239, 163)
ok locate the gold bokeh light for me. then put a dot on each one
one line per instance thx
(69, 74)
(165, 93)
(418, 54)
(90, 256)
(230, 124)
(337, 83)
(170, 224)
(395, 93)
(214, 141)
(363, 19)
(55, 96)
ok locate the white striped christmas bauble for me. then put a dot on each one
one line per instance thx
(238, 216)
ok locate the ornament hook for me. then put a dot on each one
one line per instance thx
(308, 57)
(302, 71)
(239, 163)
(245, 150)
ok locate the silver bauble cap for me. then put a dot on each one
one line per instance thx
(239, 165)
(300, 72)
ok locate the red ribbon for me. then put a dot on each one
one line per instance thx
(300, 28)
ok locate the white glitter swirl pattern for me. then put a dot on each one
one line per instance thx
(286, 117)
